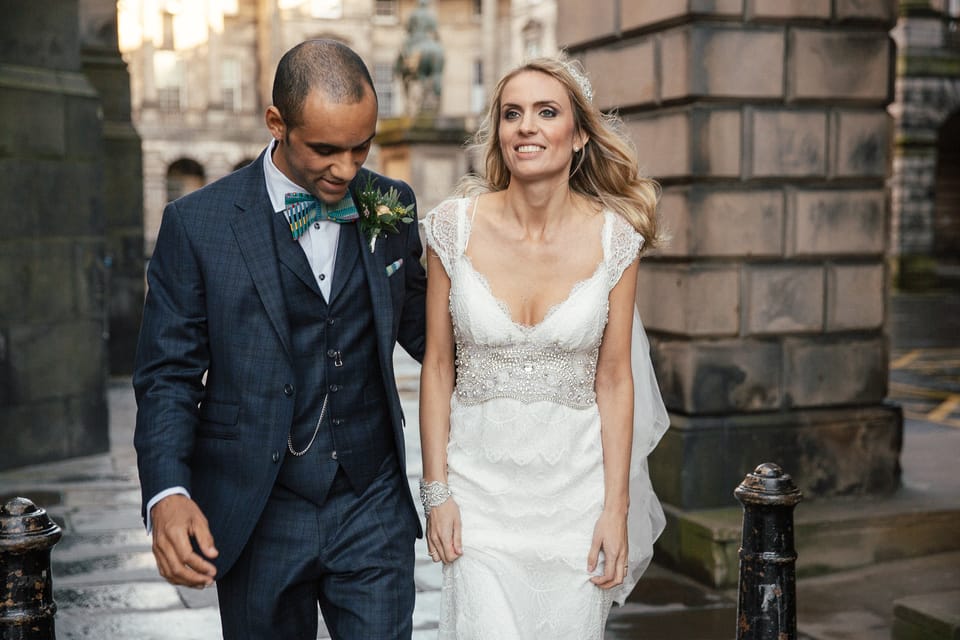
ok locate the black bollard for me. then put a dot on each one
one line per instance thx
(767, 603)
(27, 536)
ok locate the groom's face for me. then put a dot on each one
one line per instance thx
(325, 151)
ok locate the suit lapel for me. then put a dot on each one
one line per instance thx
(291, 254)
(253, 230)
(375, 271)
(347, 251)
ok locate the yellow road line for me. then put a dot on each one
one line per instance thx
(925, 417)
(905, 359)
(919, 391)
(946, 407)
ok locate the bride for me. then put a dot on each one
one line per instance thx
(538, 404)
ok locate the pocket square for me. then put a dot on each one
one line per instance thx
(393, 267)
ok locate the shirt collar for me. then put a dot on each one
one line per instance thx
(278, 185)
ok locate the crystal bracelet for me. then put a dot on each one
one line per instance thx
(433, 494)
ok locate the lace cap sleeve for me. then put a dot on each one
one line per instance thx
(622, 244)
(444, 230)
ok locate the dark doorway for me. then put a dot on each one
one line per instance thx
(946, 212)
(183, 176)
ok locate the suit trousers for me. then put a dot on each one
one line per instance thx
(353, 556)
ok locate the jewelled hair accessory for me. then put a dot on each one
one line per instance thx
(580, 78)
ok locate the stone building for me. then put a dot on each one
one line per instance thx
(202, 71)
(71, 263)
(766, 123)
(925, 180)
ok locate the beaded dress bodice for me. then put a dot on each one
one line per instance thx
(554, 360)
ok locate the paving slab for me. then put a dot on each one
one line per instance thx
(173, 624)
(129, 596)
(859, 605)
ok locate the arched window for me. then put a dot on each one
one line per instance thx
(532, 39)
(946, 212)
(183, 176)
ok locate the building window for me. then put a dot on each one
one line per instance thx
(477, 7)
(168, 99)
(383, 83)
(386, 9)
(478, 97)
(230, 84)
(532, 40)
(327, 9)
(169, 77)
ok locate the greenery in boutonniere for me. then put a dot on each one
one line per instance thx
(380, 212)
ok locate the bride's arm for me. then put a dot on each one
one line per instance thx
(614, 388)
(436, 387)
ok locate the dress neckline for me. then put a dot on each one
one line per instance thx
(552, 309)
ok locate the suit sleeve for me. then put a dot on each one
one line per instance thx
(172, 357)
(411, 334)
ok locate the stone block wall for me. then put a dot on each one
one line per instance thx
(53, 321)
(765, 122)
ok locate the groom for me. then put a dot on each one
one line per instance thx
(269, 430)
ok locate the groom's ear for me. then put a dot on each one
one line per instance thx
(275, 123)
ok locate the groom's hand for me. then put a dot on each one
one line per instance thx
(176, 520)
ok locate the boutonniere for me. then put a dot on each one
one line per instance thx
(380, 212)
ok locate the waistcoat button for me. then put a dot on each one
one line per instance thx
(288, 389)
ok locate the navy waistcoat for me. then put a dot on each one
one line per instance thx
(334, 348)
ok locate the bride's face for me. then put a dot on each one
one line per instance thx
(536, 128)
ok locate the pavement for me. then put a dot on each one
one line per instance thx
(107, 587)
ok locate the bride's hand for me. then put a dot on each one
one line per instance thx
(609, 535)
(443, 532)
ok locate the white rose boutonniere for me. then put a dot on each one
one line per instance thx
(380, 212)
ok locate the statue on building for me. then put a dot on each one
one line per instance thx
(420, 62)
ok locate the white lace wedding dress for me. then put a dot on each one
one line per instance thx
(525, 462)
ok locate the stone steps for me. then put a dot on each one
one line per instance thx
(927, 617)
(830, 535)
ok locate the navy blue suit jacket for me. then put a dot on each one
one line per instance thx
(215, 326)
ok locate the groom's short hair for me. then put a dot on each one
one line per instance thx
(327, 65)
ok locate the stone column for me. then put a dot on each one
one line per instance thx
(123, 179)
(53, 319)
(489, 41)
(927, 94)
(766, 123)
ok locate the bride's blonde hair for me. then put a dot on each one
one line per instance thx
(605, 169)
